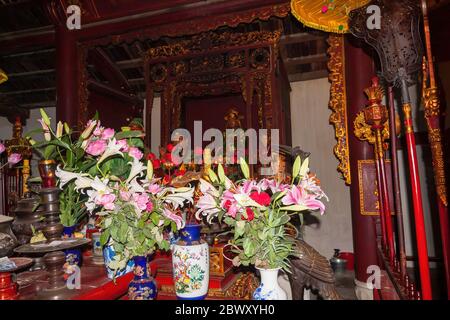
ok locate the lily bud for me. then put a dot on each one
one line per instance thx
(87, 132)
(66, 128)
(59, 129)
(45, 117)
(149, 170)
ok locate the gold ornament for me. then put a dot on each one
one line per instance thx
(329, 16)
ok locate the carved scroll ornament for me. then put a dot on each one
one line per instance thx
(338, 103)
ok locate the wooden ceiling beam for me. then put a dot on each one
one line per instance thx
(292, 62)
(104, 65)
(27, 91)
(308, 75)
(30, 73)
(43, 104)
(131, 63)
(299, 38)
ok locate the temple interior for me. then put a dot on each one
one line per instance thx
(350, 98)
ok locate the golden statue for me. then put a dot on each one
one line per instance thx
(233, 119)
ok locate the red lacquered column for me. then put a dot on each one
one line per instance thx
(67, 102)
(359, 69)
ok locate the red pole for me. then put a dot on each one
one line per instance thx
(421, 238)
(384, 240)
(387, 207)
(396, 180)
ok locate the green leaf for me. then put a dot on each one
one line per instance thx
(244, 168)
(296, 207)
(296, 167)
(212, 175)
(128, 134)
(104, 236)
(221, 173)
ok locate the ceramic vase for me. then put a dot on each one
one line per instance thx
(142, 287)
(47, 172)
(73, 256)
(269, 289)
(190, 262)
(108, 256)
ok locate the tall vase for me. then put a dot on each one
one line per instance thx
(73, 256)
(108, 256)
(142, 287)
(269, 289)
(47, 172)
(190, 261)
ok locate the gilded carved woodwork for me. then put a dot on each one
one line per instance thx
(194, 26)
(338, 103)
(432, 108)
(213, 63)
(210, 41)
(83, 91)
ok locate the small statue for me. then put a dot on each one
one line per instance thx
(233, 119)
(311, 270)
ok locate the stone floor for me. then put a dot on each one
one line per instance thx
(345, 284)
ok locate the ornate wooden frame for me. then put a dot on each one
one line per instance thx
(338, 103)
(213, 63)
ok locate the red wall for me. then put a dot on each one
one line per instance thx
(113, 112)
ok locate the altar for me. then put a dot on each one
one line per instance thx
(224, 150)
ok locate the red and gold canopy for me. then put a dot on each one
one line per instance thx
(325, 15)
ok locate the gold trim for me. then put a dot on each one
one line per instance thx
(338, 103)
(47, 161)
(432, 108)
(362, 205)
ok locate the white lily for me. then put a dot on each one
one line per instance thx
(245, 201)
(177, 197)
(101, 186)
(206, 187)
(112, 148)
(135, 186)
(81, 181)
(137, 167)
(87, 132)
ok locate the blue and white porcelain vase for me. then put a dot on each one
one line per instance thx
(108, 256)
(269, 289)
(190, 261)
(143, 286)
(73, 256)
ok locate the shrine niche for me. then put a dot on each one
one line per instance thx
(219, 65)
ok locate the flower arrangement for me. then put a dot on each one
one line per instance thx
(134, 208)
(93, 150)
(259, 212)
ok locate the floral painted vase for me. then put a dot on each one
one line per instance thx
(73, 256)
(269, 289)
(190, 261)
(142, 287)
(108, 256)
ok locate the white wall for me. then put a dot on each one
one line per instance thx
(312, 131)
